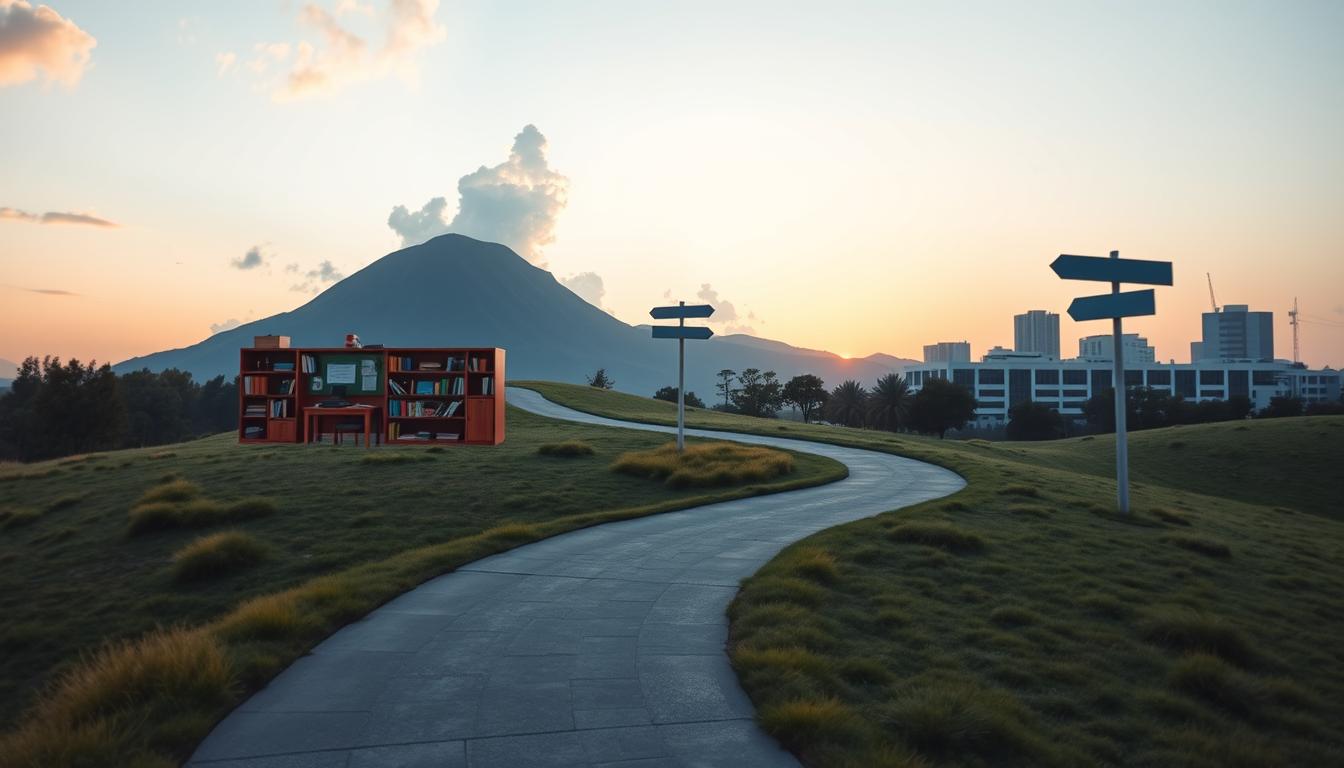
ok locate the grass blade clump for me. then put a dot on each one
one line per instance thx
(179, 504)
(942, 535)
(705, 465)
(566, 449)
(218, 554)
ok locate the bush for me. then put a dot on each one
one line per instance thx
(567, 449)
(942, 535)
(216, 555)
(712, 464)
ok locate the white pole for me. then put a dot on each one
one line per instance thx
(1121, 439)
(681, 386)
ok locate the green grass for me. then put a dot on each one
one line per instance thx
(569, 449)
(341, 536)
(1201, 631)
(218, 554)
(705, 465)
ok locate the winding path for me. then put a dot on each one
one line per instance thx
(600, 647)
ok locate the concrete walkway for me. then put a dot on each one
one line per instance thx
(600, 647)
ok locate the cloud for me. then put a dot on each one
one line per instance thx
(340, 54)
(326, 272)
(515, 203)
(725, 314)
(51, 291)
(587, 286)
(54, 217)
(225, 62)
(38, 41)
(226, 325)
(250, 260)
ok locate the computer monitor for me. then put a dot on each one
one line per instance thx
(338, 392)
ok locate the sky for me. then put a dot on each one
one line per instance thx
(858, 177)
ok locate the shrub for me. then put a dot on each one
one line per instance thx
(1192, 632)
(1201, 545)
(713, 464)
(567, 449)
(216, 555)
(942, 535)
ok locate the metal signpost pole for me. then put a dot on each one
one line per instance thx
(1114, 306)
(681, 385)
(1120, 391)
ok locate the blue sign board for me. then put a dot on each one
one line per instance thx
(1112, 305)
(1112, 270)
(680, 332)
(684, 310)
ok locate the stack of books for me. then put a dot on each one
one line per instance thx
(255, 409)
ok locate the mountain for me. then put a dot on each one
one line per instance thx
(453, 291)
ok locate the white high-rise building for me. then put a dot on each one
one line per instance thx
(1037, 332)
(948, 352)
(1100, 349)
(1235, 333)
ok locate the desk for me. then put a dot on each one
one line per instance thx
(312, 416)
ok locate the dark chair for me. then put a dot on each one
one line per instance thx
(343, 427)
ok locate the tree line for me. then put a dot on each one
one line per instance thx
(55, 409)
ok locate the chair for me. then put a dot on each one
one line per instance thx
(353, 427)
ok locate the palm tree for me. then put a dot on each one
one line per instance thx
(889, 403)
(846, 404)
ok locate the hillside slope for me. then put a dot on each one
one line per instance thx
(453, 291)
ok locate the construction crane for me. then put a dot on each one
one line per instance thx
(1212, 300)
(1293, 321)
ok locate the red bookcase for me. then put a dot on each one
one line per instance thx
(423, 395)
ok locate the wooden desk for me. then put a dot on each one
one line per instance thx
(313, 415)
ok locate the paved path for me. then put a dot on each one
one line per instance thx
(600, 647)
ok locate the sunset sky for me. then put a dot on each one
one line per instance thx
(857, 177)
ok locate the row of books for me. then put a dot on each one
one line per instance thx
(453, 386)
(308, 363)
(261, 385)
(487, 386)
(422, 408)
(275, 409)
(394, 433)
(411, 364)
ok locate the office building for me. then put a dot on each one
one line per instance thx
(1065, 385)
(948, 352)
(1235, 333)
(1101, 349)
(1037, 331)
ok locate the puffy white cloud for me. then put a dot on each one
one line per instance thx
(587, 286)
(341, 51)
(515, 203)
(250, 260)
(725, 314)
(225, 325)
(325, 272)
(54, 217)
(40, 42)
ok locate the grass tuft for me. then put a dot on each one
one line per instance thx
(1014, 616)
(567, 449)
(16, 517)
(218, 554)
(812, 722)
(178, 504)
(814, 564)
(1020, 490)
(706, 465)
(946, 536)
(1190, 631)
(396, 457)
(1202, 545)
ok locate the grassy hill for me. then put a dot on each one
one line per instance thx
(1022, 622)
(104, 548)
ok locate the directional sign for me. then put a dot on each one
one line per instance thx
(1112, 305)
(1112, 271)
(680, 332)
(672, 313)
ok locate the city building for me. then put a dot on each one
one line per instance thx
(1037, 331)
(999, 383)
(1235, 333)
(1101, 348)
(948, 352)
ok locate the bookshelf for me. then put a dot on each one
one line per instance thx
(424, 395)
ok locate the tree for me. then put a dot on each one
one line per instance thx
(889, 403)
(57, 410)
(670, 395)
(1281, 406)
(941, 405)
(1034, 421)
(758, 394)
(847, 404)
(805, 392)
(725, 386)
(600, 380)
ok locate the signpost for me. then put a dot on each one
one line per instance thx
(681, 333)
(1115, 305)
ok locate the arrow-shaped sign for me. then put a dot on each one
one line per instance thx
(1112, 270)
(681, 332)
(1111, 305)
(684, 310)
